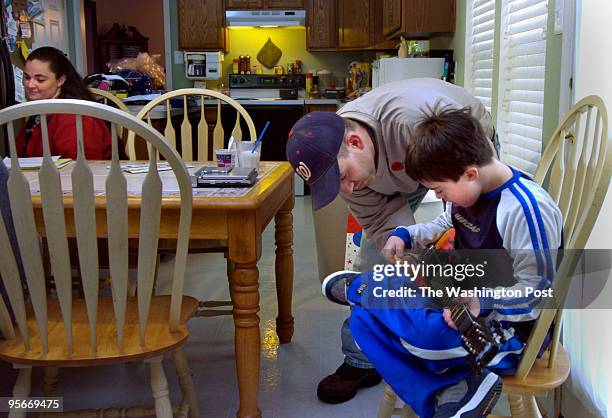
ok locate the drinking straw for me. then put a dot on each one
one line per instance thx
(260, 137)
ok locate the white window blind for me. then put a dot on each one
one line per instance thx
(480, 36)
(521, 82)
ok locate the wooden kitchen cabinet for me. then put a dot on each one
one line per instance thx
(321, 26)
(264, 4)
(245, 4)
(286, 4)
(418, 18)
(201, 25)
(353, 24)
(360, 25)
(391, 17)
(378, 40)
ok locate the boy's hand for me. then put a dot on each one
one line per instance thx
(473, 305)
(393, 247)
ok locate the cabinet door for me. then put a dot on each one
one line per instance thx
(391, 16)
(430, 16)
(378, 38)
(201, 24)
(286, 4)
(245, 4)
(353, 24)
(321, 28)
(426, 17)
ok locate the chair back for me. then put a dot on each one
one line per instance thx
(578, 168)
(81, 213)
(109, 99)
(202, 128)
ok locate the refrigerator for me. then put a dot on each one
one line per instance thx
(386, 70)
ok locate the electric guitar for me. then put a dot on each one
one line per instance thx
(480, 338)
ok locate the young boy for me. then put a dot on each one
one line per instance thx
(413, 344)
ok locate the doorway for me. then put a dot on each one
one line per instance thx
(146, 16)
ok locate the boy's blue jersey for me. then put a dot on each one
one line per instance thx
(518, 217)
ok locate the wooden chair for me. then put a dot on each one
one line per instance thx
(578, 169)
(66, 332)
(202, 128)
(203, 147)
(110, 99)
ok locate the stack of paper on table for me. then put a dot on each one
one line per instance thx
(33, 163)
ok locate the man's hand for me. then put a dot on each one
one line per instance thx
(394, 247)
(473, 305)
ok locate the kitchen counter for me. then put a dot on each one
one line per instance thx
(159, 112)
(337, 102)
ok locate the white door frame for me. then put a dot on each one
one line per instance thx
(78, 16)
(168, 44)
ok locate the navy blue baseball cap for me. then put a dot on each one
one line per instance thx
(312, 149)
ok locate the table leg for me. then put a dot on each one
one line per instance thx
(244, 250)
(284, 270)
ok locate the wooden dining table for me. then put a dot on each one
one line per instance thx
(236, 215)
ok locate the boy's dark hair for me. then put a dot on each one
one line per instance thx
(444, 143)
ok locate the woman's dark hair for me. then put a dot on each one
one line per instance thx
(444, 143)
(74, 87)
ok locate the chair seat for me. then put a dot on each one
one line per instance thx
(158, 338)
(541, 378)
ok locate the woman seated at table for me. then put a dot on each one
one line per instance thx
(48, 74)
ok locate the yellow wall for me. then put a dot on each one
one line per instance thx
(292, 43)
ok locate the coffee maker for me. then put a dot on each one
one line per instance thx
(203, 65)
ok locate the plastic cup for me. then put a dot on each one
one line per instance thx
(225, 158)
(247, 158)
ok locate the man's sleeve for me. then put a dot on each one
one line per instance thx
(379, 214)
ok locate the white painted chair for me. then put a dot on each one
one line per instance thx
(109, 99)
(203, 145)
(187, 152)
(66, 332)
(578, 167)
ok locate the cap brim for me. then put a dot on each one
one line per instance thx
(326, 188)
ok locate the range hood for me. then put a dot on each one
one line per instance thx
(265, 17)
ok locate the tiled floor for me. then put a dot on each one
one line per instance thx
(289, 373)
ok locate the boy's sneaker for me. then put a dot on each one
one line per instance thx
(473, 397)
(334, 286)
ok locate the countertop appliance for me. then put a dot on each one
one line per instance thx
(203, 65)
(387, 70)
(270, 18)
(267, 86)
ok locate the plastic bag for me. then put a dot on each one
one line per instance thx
(145, 63)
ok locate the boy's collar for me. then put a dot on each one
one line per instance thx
(515, 176)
